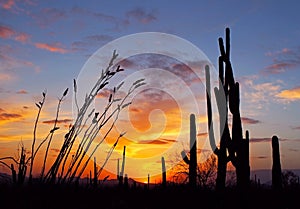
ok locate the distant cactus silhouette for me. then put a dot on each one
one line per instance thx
(164, 174)
(276, 168)
(148, 182)
(118, 169)
(95, 178)
(227, 97)
(121, 176)
(192, 162)
(126, 184)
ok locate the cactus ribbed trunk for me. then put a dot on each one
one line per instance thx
(164, 174)
(276, 168)
(193, 152)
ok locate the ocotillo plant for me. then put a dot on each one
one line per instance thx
(237, 147)
(164, 174)
(192, 162)
(276, 168)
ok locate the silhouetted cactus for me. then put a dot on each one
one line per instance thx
(95, 178)
(164, 174)
(228, 96)
(220, 152)
(123, 167)
(192, 162)
(118, 169)
(126, 185)
(148, 182)
(276, 167)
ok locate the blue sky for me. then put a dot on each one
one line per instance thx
(44, 44)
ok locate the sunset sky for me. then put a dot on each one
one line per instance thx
(45, 44)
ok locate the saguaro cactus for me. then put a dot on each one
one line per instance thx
(192, 162)
(164, 174)
(276, 168)
(235, 145)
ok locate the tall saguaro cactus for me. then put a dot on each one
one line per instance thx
(164, 174)
(192, 162)
(276, 167)
(228, 97)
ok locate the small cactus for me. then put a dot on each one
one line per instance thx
(126, 185)
(123, 167)
(276, 167)
(164, 174)
(192, 162)
(95, 178)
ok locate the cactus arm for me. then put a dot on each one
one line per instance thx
(185, 158)
(209, 112)
(227, 37)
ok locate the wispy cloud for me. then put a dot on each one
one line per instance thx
(140, 15)
(283, 61)
(6, 32)
(156, 141)
(290, 94)
(54, 47)
(104, 93)
(250, 121)
(9, 116)
(294, 150)
(267, 139)
(261, 157)
(5, 77)
(204, 134)
(58, 121)
(9, 33)
(277, 68)
(258, 140)
(22, 91)
(259, 95)
(9, 62)
(88, 41)
(7, 4)
(48, 16)
(296, 128)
